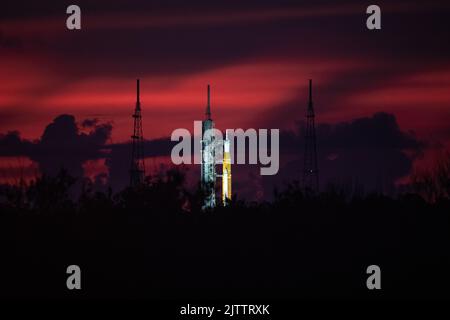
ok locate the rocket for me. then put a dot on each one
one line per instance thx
(226, 171)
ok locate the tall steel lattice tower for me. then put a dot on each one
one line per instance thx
(310, 169)
(208, 166)
(137, 170)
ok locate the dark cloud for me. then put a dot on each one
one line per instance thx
(371, 151)
(11, 144)
(61, 145)
(89, 123)
(378, 132)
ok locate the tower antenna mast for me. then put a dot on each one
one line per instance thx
(137, 170)
(310, 168)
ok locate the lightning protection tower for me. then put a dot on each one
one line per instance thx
(310, 169)
(137, 170)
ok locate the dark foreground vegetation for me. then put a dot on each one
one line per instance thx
(154, 242)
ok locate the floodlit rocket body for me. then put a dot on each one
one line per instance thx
(226, 171)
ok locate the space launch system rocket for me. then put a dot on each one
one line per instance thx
(226, 171)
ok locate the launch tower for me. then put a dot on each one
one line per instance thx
(208, 163)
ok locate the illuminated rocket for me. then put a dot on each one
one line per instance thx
(226, 171)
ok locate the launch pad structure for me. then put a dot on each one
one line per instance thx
(208, 173)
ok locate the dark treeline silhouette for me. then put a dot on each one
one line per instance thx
(155, 242)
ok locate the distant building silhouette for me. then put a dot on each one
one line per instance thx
(310, 168)
(137, 170)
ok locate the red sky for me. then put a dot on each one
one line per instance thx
(257, 57)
